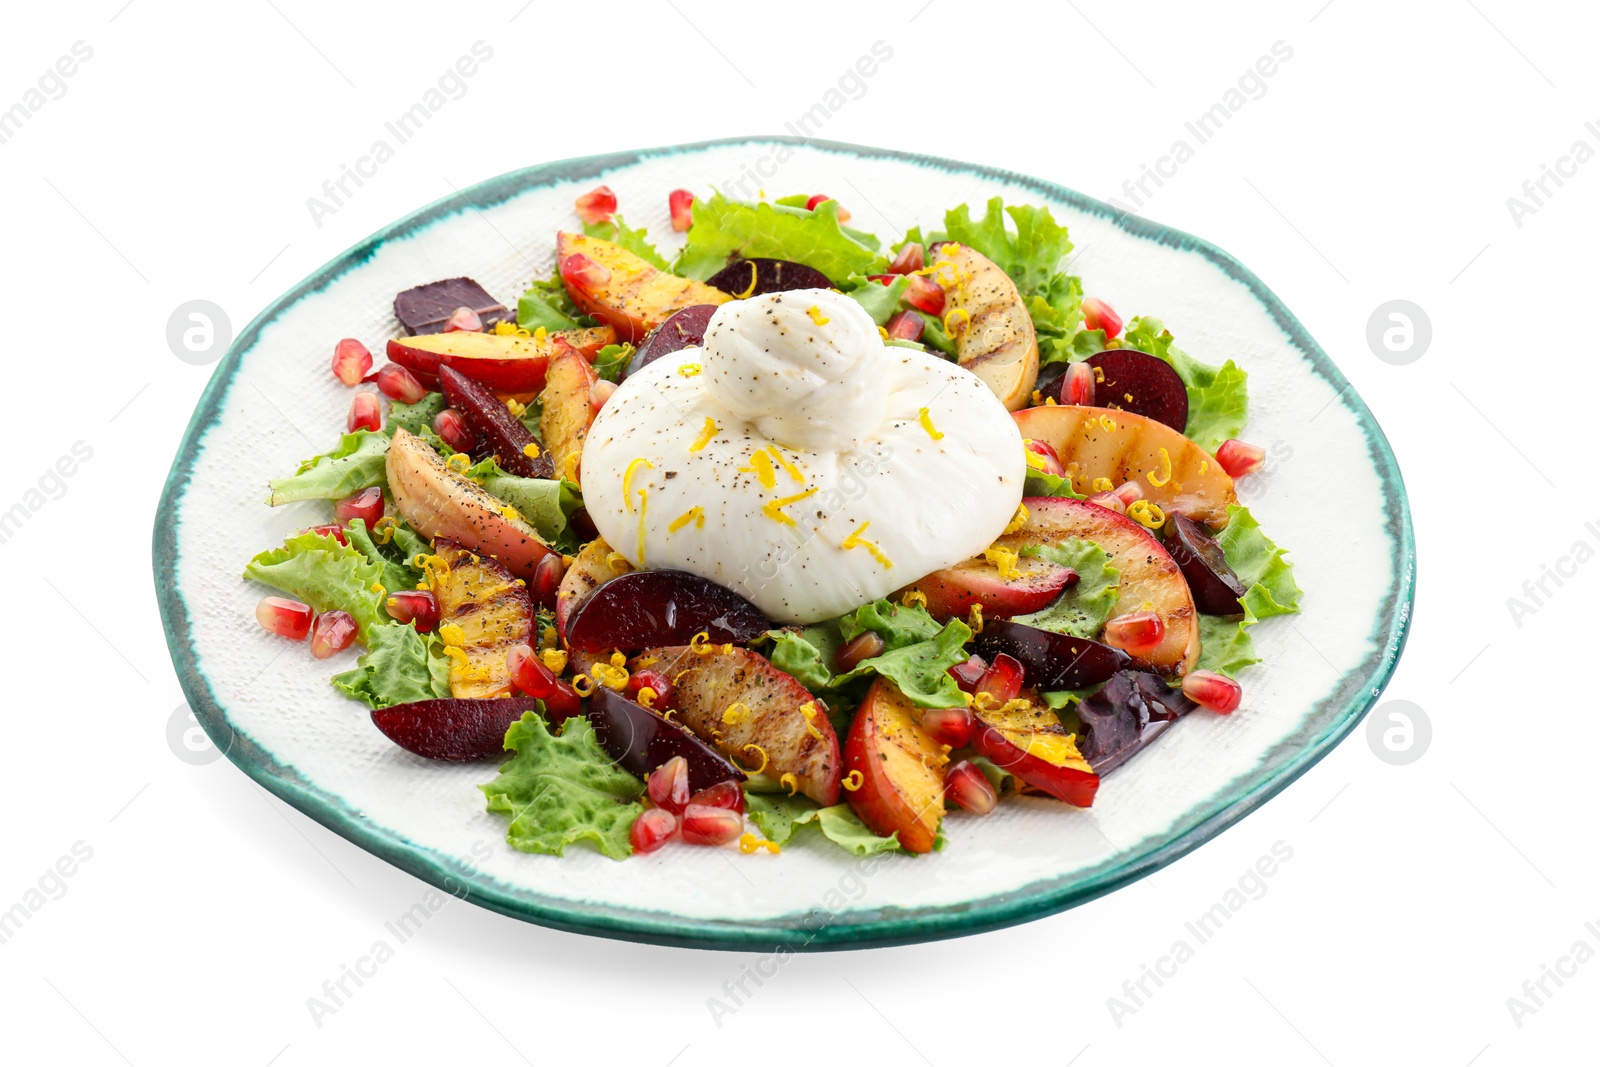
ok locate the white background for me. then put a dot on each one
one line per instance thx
(1376, 166)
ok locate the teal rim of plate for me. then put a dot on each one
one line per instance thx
(818, 929)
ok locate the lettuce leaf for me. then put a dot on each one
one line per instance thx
(329, 576)
(1219, 402)
(635, 241)
(779, 816)
(547, 304)
(1270, 589)
(401, 665)
(917, 653)
(724, 227)
(394, 557)
(612, 360)
(415, 418)
(358, 463)
(1031, 255)
(547, 503)
(1038, 483)
(1225, 645)
(1083, 609)
(559, 789)
(880, 301)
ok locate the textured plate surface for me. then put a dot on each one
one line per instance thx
(1332, 493)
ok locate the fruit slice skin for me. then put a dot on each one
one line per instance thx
(645, 608)
(478, 596)
(1127, 379)
(568, 410)
(487, 415)
(1216, 589)
(504, 362)
(1148, 573)
(901, 767)
(1121, 446)
(767, 276)
(451, 729)
(706, 685)
(424, 309)
(637, 297)
(997, 341)
(1032, 744)
(438, 502)
(952, 592)
(640, 740)
(1129, 712)
(1050, 661)
(591, 568)
(685, 328)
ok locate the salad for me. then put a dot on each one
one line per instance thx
(789, 531)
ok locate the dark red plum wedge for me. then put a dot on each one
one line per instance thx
(1130, 380)
(1050, 661)
(1214, 586)
(645, 609)
(753, 277)
(640, 740)
(500, 432)
(426, 308)
(685, 328)
(452, 729)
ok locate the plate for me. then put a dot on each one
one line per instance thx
(1331, 492)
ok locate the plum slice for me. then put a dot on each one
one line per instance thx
(643, 609)
(1050, 661)
(426, 308)
(685, 328)
(501, 432)
(640, 740)
(448, 728)
(1129, 711)
(1130, 380)
(754, 277)
(1216, 589)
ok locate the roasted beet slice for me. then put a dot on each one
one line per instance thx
(1050, 661)
(644, 609)
(1216, 589)
(1135, 381)
(768, 276)
(1128, 712)
(684, 328)
(500, 432)
(426, 308)
(452, 729)
(640, 740)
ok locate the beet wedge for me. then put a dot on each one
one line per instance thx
(452, 729)
(507, 438)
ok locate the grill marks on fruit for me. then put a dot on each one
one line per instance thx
(492, 611)
(596, 564)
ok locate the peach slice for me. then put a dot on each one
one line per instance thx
(988, 322)
(503, 362)
(591, 568)
(626, 292)
(1032, 585)
(1031, 743)
(491, 611)
(900, 766)
(568, 413)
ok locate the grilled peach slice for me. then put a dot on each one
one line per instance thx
(489, 611)
(503, 362)
(567, 414)
(751, 711)
(1031, 743)
(1173, 472)
(1150, 581)
(1030, 585)
(622, 290)
(438, 502)
(988, 322)
(901, 767)
(593, 566)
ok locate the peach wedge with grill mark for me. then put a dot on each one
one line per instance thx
(593, 566)
(567, 415)
(901, 769)
(503, 362)
(489, 612)
(438, 502)
(1172, 471)
(987, 321)
(634, 297)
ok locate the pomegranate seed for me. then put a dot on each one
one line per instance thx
(1052, 460)
(597, 205)
(967, 674)
(968, 788)
(1110, 501)
(365, 413)
(528, 672)
(416, 606)
(547, 577)
(463, 320)
(909, 259)
(351, 361)
(659, 683)
(1097, 315)
(1078, 387)
(600, 392)
(334, 631)
(1002, 681)
(924, 294)
(562, 704)
(284, 617)
(668, 785)
(653, 828)
(366, 505)
(1240, 459)
(906, 325)
(397, 383)
(884, 280)
(449, 425)
(705, 825)
(681, 203)
(811, 205)
(1212, 690)
(332, 529)
(581, 272)
(863, 646)
(722, 795)
(948, 726)
(1136, 632)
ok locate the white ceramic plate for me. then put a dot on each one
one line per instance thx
(1332, 493)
